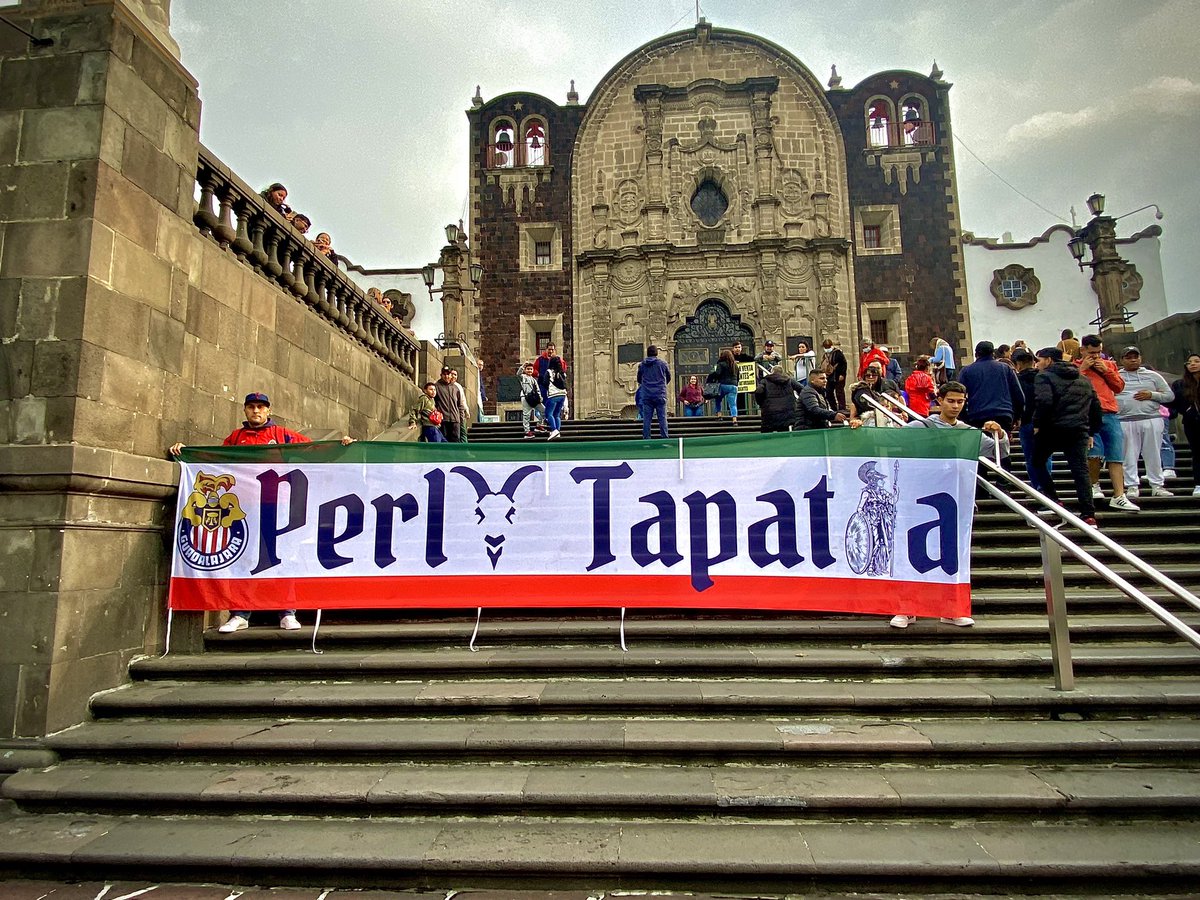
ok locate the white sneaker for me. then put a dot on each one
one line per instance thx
(234, 623)
(901, 621)
(960, 621)
(1124, 503)
(1169, 473)
(1196, 491)
(1160, 491)
(553, 434)
(1132, 491)
(289, 623)
(1097, 492)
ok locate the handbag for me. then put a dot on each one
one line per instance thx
(534, 397)
(712, 390)
(435, 417)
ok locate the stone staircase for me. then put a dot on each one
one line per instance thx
(748, 754)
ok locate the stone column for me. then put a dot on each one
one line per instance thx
(98, 146)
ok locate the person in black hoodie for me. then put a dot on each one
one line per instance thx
(1187, 405)
(813, 411)
(776, 396)
(1065, 414)
(1024, 362)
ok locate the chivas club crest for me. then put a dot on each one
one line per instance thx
(212, 527)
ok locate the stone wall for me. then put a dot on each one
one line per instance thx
(123, 330)
(922, 276)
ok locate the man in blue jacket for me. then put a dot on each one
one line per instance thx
(993, 392)
(653, 377)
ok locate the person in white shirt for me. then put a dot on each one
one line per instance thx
(1139, 409)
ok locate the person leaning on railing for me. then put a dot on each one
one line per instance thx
(275, 196)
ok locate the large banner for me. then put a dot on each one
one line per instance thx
(868, 521)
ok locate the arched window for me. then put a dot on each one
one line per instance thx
(535, 142)
(880, 116)
(503, 149)
(915, 127)
(709, 202)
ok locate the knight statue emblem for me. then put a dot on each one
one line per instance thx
(871, 531)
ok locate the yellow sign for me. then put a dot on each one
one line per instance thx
(747, 380)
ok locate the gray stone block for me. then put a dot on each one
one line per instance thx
(126, 208)
(40, 81)
(16, 370)
(41, 249)
(116, 322)
(60, 134)
(36, 191)
(10, 130)
(137, 103)
(151, 169)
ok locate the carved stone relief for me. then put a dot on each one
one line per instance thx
(629, 202)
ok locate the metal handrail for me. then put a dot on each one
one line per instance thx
(1052, 542)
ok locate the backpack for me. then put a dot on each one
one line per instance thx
(558, 379)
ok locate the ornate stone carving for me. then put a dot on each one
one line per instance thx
(827, 298)
(600, 213)
(629, 202)
(628, 276)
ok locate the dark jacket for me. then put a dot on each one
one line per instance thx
(654, 376)
(724, 373)
(776, 396)
(992, 390)
(813, 410)
(1180, 406)
(449, 401)
(1026, 380)
(1065, 400)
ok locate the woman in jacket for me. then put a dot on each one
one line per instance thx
(552, 380)
(726, 376)
(692, 398)
(920, 387)
(1187, 405)
(776, 396)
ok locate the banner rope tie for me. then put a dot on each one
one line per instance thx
(475, 633)
(316, 628)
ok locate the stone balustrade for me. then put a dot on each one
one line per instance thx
(237, 218)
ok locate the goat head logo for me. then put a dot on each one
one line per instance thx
(495, 507)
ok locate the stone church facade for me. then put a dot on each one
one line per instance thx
(710, 189)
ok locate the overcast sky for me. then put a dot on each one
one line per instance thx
(358, 105)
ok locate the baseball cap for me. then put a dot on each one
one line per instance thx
(1130, 351)
(257, 397)
(768, 343)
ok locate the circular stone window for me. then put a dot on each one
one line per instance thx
(709, 203)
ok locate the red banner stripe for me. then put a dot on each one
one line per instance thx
(788, 593)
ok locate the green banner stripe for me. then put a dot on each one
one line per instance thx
(874, 443)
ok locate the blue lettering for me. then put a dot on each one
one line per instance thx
(385, 509)
(602, 476)
(327, 540)
(639, 536)
(269, 529)
(946, 526)
(818, 522)
(698, 505)
(784, 522)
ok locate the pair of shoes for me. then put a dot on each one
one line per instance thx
(901, 621)
(235, 623)
(529, 435)
(1124, 503)
(960, 621)
(1097, 492)
(1091, 520)
(553, 435)
(1169, 473)
(289, 623)
(1160, 491)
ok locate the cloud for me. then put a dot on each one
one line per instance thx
(1161, 97)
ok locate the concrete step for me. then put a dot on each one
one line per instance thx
(594, 789)
(680, 740)
(708, 855)
(499, 628)
(889, 661)
(645, 697)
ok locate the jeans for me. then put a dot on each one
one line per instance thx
(654, 406)
(554, 407)
(1143, 437)
(1038, 477)
(1110, 440)
(431, 435)
(728, 399)
(690, 411)
(245, 613)
(1166, 451)
(1073, 444)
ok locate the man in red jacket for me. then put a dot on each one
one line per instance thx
(259, 428)
(1109, 442)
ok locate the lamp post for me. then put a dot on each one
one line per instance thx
(460, 273)
(1108, 268)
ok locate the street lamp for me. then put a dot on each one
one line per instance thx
(1108, 268)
